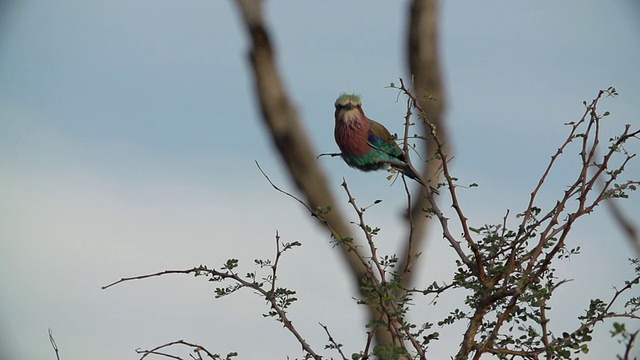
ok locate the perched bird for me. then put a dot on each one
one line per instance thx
(365, 144)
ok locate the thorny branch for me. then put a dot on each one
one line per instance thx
(551, 239)
(630, 345)
(333, 343)
(411, 253)
(215, 275)
(424, 67)
(321, 216)
(366, 231)
(430, 195)
(590, 322)
(289, 137)
(536, 267)
(379, 296)
(394, 321)
(607, 313)
(292, 142)
(387, 308)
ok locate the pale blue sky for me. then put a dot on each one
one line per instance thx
(128, 134)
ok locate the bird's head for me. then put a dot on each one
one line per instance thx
(348, 108)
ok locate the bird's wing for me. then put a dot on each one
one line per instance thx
(380, 138)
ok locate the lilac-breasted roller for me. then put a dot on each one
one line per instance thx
(365, 144)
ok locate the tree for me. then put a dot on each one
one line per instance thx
(506, 271)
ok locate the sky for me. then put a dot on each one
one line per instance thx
(129, 134)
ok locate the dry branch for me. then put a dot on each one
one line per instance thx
(424, 67)
(292, 142)
(285, 128)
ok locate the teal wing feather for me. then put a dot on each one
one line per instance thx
(384, 146)
(380, 139)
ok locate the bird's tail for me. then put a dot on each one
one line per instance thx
(410, 172)
(416, 177)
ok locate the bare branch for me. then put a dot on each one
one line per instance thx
(281, 119)
(333, 343)
(195, 270)
(269, 295)
(54, 345)
(428, 193)
(328, 154)
(321, 216)
(292, 142)
(366, 231)
(196, 348)
(423, 62)
(630, 345)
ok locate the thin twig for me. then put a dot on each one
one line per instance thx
(630, 345)
(195, 346)
(274, 267)
(328, 154)
(410, 258)
(347, 244)
(365, 229)
(334, 344)
(268, 295)
(160, 273)
(444, 221)
(54, 345)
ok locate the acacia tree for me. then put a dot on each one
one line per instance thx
(506, 269)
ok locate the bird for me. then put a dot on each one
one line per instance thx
(366, 144)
